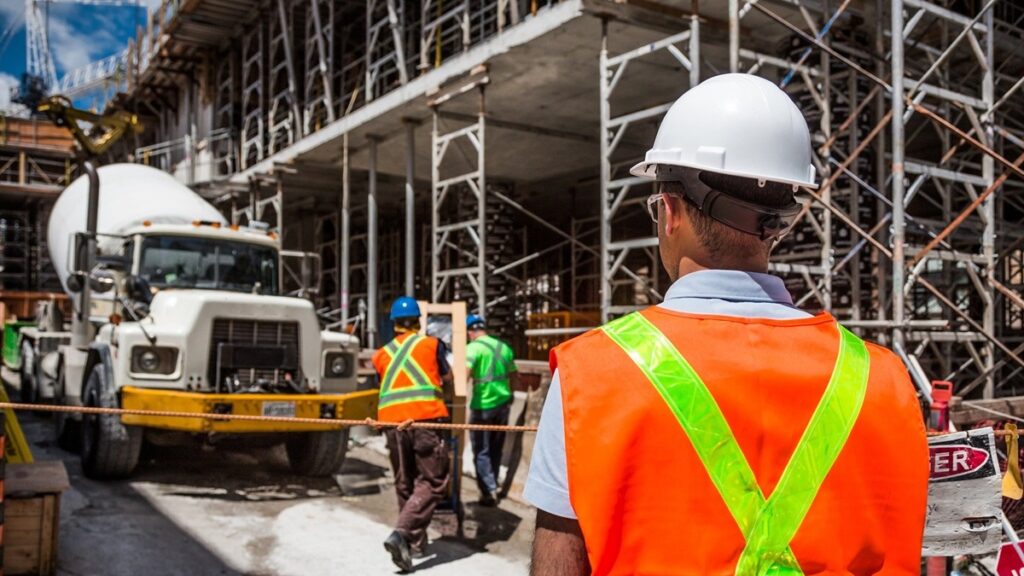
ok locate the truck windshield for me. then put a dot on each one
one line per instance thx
(208, 263)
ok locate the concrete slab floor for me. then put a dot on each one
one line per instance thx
(240, 511)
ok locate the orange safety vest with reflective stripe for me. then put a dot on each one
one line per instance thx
(648, 496)
(410, 381)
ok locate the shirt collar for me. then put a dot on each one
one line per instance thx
(732, 285)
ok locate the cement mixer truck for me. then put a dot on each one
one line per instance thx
(177, 310)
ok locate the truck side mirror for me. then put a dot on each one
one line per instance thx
(102, 281)
(75, 283)
(138, 289)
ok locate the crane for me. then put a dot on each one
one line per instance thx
(40, 59)
(95, 133)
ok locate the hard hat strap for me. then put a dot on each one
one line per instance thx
(762, 221)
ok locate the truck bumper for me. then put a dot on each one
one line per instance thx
(354, 406)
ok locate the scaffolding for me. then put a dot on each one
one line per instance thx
(913, 237)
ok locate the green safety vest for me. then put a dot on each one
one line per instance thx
(767, 524)
(491, 362)
(402, 362)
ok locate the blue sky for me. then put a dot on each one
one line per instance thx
(79, 34)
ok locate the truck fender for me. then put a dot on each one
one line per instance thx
(99, 355)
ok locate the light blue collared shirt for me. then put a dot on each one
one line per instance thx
(712, 292)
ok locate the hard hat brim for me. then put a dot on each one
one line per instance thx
(649, 169)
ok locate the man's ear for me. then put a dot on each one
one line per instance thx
(673, 206)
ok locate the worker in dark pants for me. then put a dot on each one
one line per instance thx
(415, 381)
(493, 370)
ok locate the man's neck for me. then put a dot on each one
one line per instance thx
(688, 265)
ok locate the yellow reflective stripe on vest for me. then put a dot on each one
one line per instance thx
(767, 525)
(403, 362)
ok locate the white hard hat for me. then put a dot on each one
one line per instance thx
(735, 124)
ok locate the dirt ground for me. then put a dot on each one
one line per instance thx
(239, 510)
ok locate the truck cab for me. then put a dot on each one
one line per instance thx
(190, 318)
(201, 309)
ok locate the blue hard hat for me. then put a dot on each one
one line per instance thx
(475, 321)
(405, 307)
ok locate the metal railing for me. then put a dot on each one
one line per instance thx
(193, 161)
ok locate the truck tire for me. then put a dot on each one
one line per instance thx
(66, 429)
(317, 454)
(27, 390)
(109, 448)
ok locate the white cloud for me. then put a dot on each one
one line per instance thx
(70, 48)
(10, 10)
(150, 5)
(7, 83)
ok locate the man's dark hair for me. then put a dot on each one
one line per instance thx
(719, 239)
(408, 323)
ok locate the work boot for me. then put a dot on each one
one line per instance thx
(488, 499)
(399, 550)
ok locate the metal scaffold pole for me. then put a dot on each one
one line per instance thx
(988, 240)
(606, 230)
(481, 238)
(618, 189)
(897, 127)
(459, 203)
(346, 232)
(410, 208)
(371, 247)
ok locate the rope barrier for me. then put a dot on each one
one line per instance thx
(338, 422)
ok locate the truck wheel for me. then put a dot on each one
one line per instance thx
(66, 429)
(109, 448)
(317, 454)
(27, 389)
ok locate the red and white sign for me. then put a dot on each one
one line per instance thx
(1011, 560)
(963, 495)
(955, 460)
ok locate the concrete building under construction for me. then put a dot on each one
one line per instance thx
(480, 150)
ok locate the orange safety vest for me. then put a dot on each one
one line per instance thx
(645, 501)
(410, 382)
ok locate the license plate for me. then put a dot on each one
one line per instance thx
(286, 409)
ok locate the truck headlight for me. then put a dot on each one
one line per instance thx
(337, 365)
(154, 360)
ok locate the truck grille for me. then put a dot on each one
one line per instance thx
(248, 344)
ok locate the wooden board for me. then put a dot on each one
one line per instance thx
(36, 134)
(44, 477)
(22, 304)
(459, 412)
(964, 495)
(32, 516)
(964, 416)
(30, 534)
(457, 311)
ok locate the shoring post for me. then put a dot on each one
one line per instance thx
(988, 208)
(371, 247)
(345, 232)
(898, 225)
(606, 232)
(410, 207)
